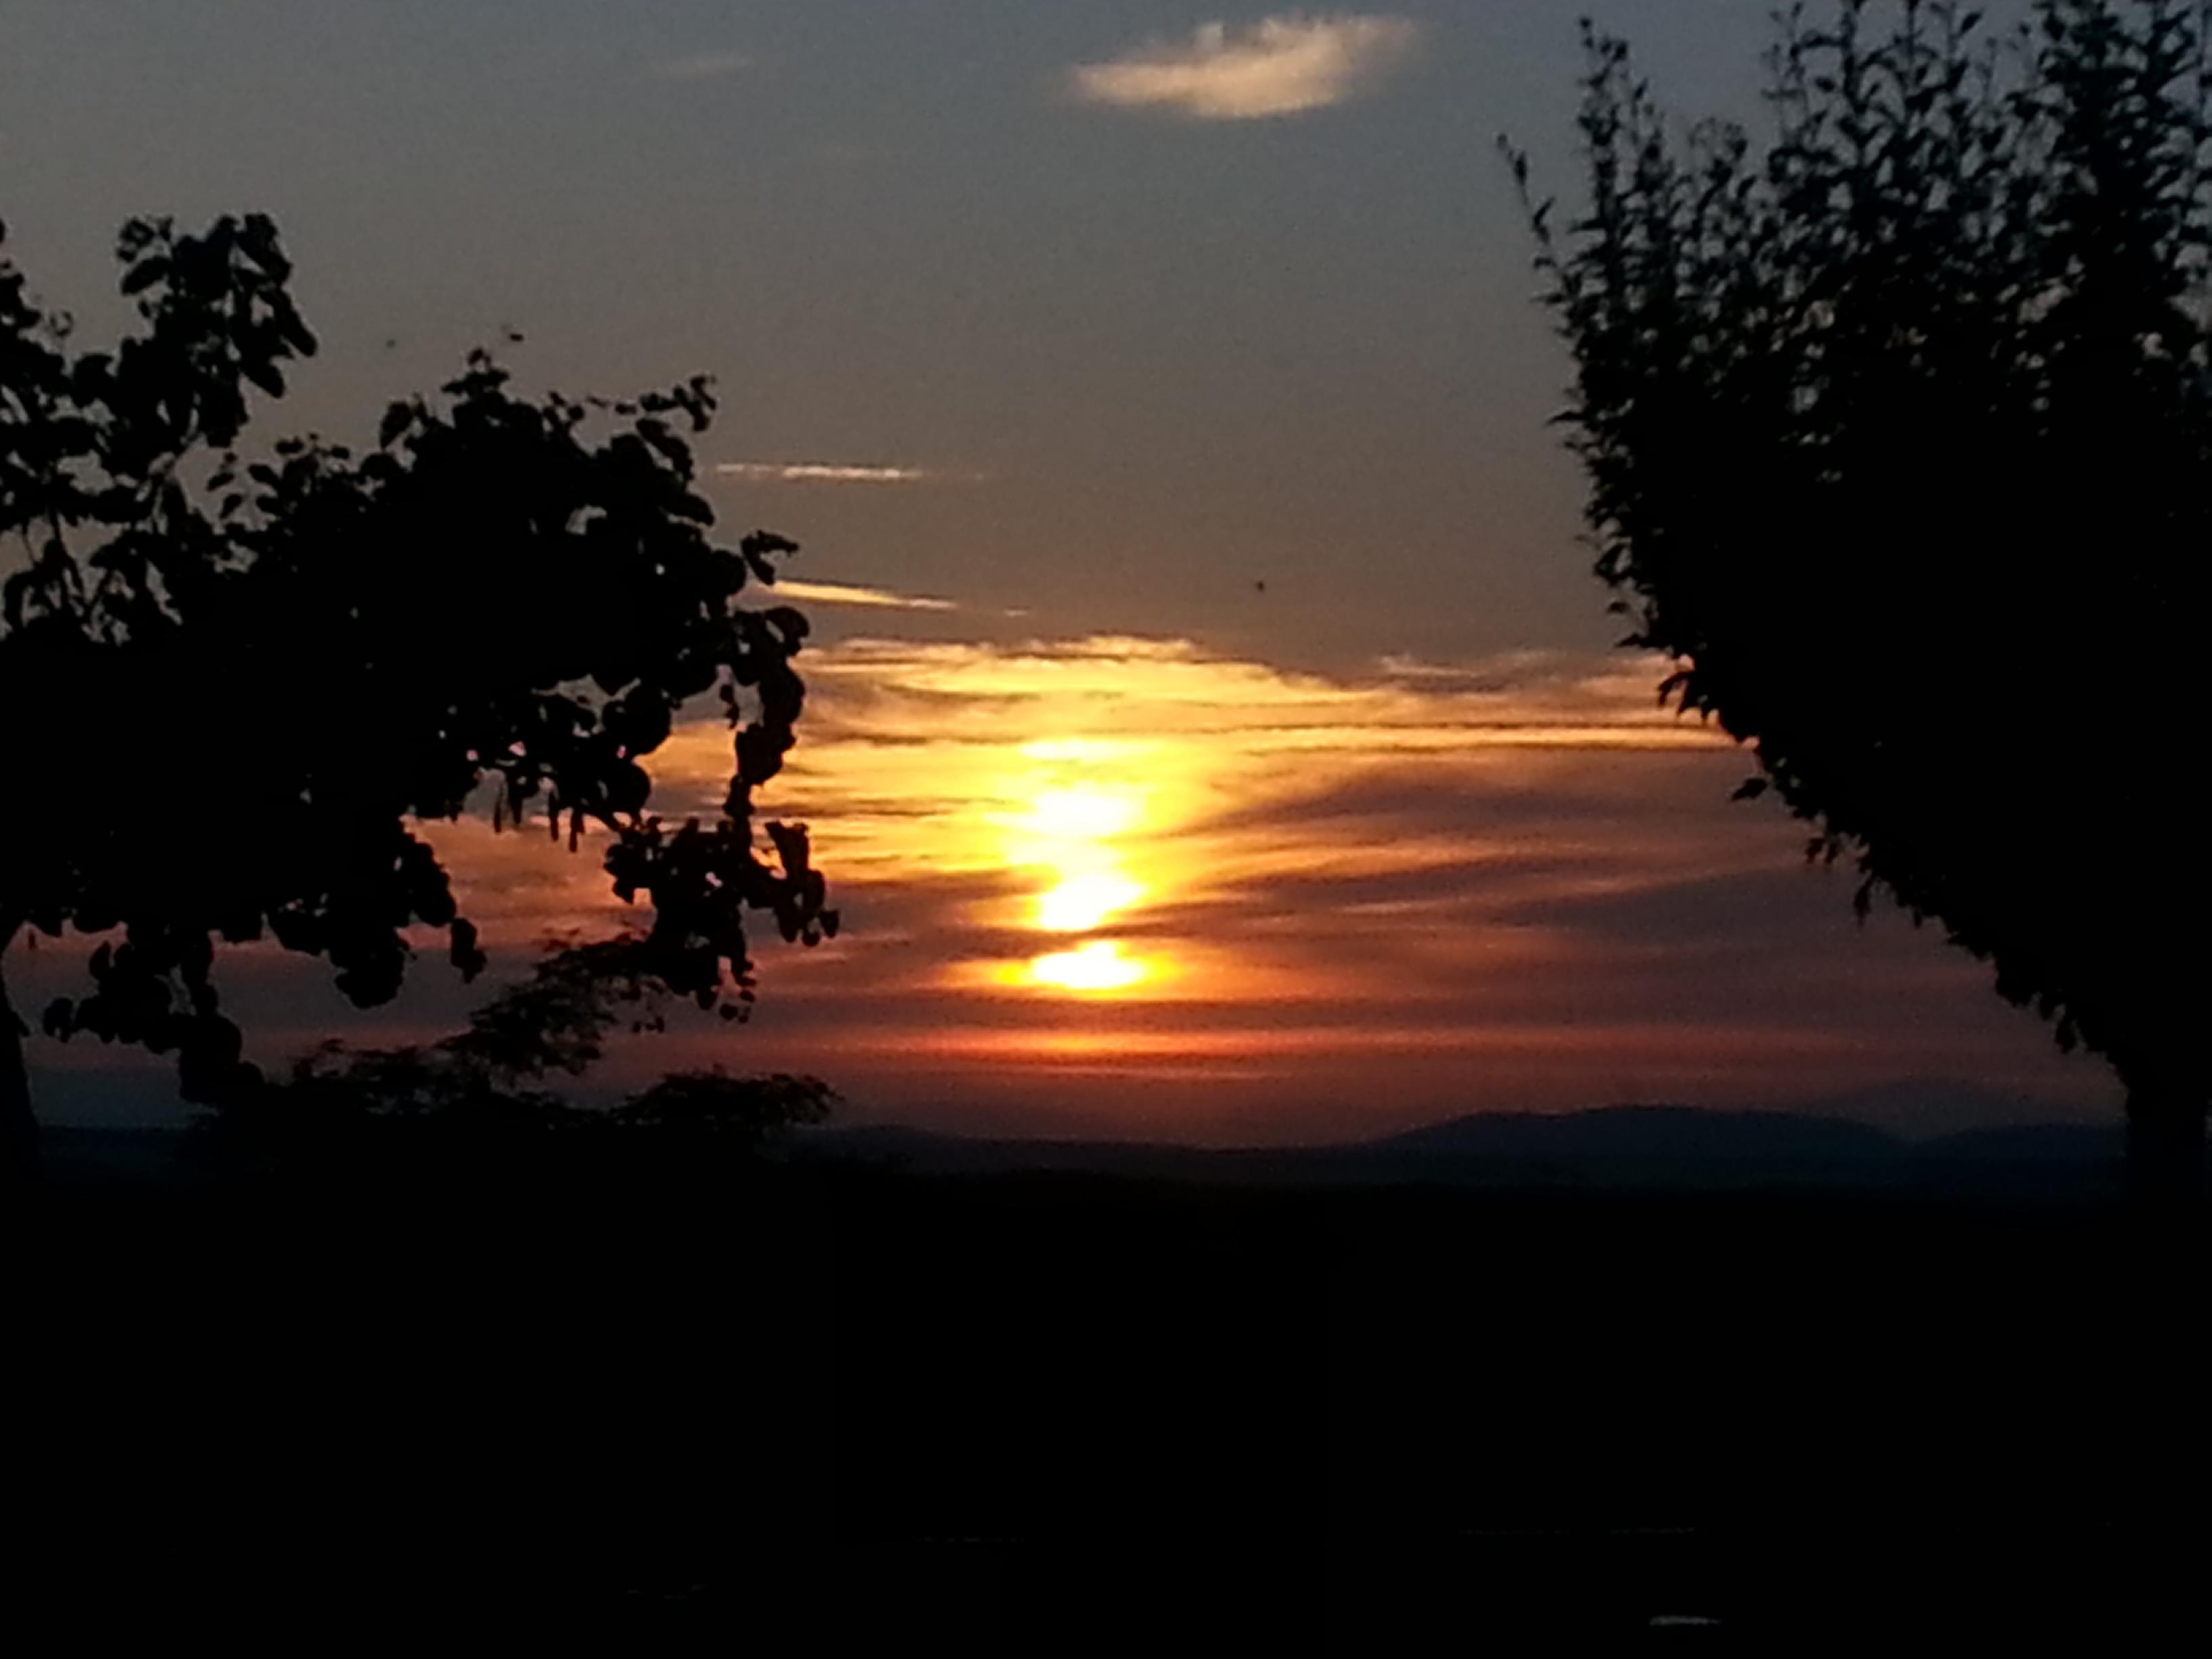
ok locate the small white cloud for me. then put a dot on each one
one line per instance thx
(1279, 66)
(835, 472)
(879, 599)
(701, 66)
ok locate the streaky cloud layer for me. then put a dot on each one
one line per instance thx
(872, 598)
(1278, 66)
(1132, 888)
(836, 473)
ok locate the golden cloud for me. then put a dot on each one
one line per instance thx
(1279, 66)
(873, 598)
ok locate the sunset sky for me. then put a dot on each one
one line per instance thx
(1214, 730)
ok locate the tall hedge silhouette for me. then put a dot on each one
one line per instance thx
(231, 684)
(1898, 427)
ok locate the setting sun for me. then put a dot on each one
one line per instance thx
(1097, 966)
(1085, 901)
(1075, 841)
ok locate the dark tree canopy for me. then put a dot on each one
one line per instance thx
(231, 684)
(1899, 432)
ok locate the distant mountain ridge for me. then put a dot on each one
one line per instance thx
(1625, 1145)
(1635, 1131)
(1620, 1146)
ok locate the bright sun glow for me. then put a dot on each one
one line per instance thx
(1083, 901)
(1076, 838)
(1084, 814)
(1097, 966)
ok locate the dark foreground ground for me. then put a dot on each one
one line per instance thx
(798, 1408)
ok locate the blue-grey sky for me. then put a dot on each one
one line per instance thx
(1186, 353)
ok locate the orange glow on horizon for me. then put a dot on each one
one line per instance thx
(1106, 886)
(1115, 820)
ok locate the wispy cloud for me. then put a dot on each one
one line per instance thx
(1279, 66)
(879, 599)
(701, 66)
(837, 472)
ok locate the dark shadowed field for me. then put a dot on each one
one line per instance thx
(1031, 1408)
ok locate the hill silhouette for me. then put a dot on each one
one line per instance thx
(1629, 1145)
(1618, 1146)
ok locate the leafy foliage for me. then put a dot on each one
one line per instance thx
(233, 682)
(1898, 428)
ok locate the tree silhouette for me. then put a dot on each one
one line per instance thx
(231, 683)
(1897, 430)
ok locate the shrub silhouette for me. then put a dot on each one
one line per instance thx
(1897, 431)
(485, 1091)
(231, 683)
